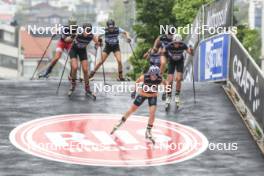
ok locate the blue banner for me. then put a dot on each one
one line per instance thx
(213, 60)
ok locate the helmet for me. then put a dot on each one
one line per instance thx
(177, 38)
(72, 21)
(87, 27)
(110, 23)
(154, 70)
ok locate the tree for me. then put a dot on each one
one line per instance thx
(150, 15)
(251, 40)
(186, 10)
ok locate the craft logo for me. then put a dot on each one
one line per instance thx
(85, 139)
(247, 83)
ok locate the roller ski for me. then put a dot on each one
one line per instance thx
(118, 125)
(177, 101)
(167, 104)
(122, 79)
(163, 97)
(46, 73)
(148, 135)
(88, 92)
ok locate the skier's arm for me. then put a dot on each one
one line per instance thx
(126, 34)
(190, 50)
(146, 55)
(96, 41)
(156, 44)
(139, 80)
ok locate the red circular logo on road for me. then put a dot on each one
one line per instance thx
(85, 139)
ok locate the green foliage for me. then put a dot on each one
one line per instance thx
(118, 13)
(150, 15)
(140, 64)
(186, 10)
(251, 40)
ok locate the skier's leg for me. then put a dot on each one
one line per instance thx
(117, 55)
(99, 64)
(138, 101)
(52, 64)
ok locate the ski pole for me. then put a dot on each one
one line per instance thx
(42, 56)
(96, 50)
(57, 91)
(103, 68)
(132, 50)
(194, 92)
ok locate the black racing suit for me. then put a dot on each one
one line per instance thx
(79, 46)
(175, 57)
(154, 59)
(111, 40)
(147, 84)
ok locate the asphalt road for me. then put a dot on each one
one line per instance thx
(213, 115)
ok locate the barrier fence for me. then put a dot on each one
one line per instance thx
(222, 57)
(247, 79)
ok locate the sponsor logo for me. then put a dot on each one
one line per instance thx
(247, 83)
(218, 18)
(84, 139)
(213, 58)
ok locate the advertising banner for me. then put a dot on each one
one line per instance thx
(217, 14)
(247, 79)
(213, 60)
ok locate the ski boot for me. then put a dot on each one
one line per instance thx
(88, 92)
(177, 101)
(46, 73)
(118, 125)
(168, 101)
(73, 85)
(163, 97)
(148, 134)
(120, 76)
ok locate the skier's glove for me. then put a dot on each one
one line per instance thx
(128, 40)
(133, 95)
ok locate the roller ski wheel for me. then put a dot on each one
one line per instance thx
(89, 94)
